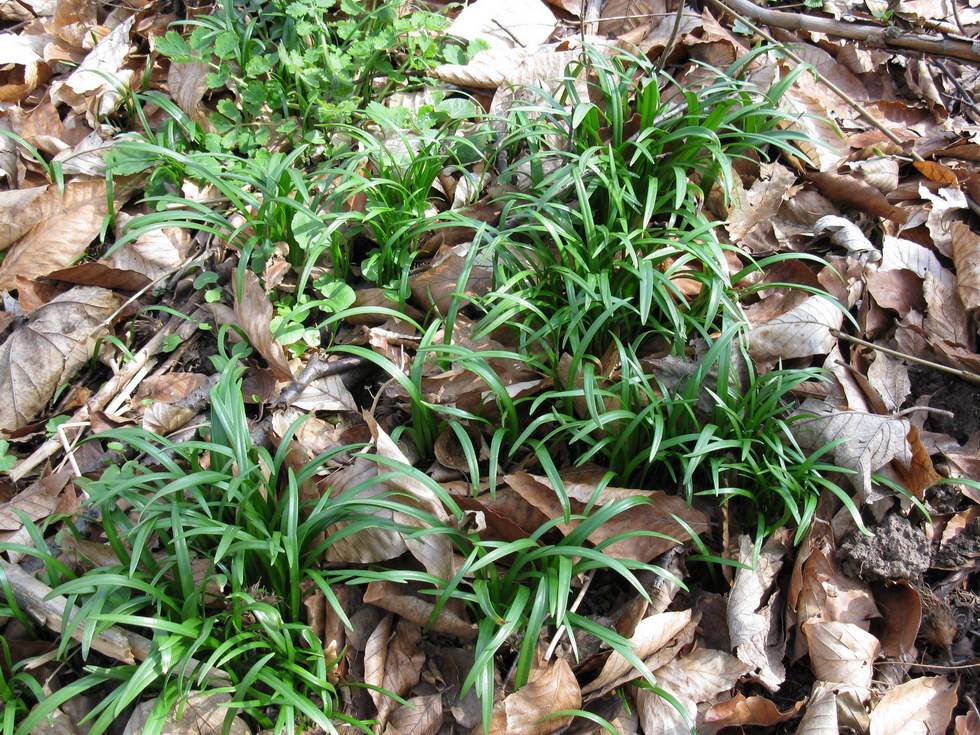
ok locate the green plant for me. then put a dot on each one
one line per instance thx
(516, 590)
(605, 238)
(215, 555)
(294, 67)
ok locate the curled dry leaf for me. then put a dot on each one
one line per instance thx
(393, 662)
(841, 652)
(44, 353)
(923, 705)
(800, 332)
(651, 634)
(90, 78)
(851, 192)
(890, 378)
(505, 24)
(820, 717)
(402, 600)
(253, 313)
(693, 680)
(36, 502)
(966, 256)
(656, 515)
(66, 225)
(742, 711)
(946, 317)
(843, 233)
(22, 58)
(421, 716)
(871, 441)
(204, 712)
(750, 611)
(550, 689)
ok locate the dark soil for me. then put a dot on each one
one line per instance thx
(949, 393)
(896, 550)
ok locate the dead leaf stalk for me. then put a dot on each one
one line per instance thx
(965, 374)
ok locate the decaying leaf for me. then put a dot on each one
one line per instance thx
(550, 689)
(841, 652)
(421, 716)
(56, 340)
(870, 441)
(750, 611)
(651, 635)
(65, 227)
(923, 705)
(392, 662)
(801, 332)
(201, 714)
(742, 711)
(505, 24)
(253, 312)
(695, 679)
(820, 717)
(966, 256)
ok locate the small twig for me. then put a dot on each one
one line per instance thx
(964, 94)
(578, 601)
(506, 30)
(784, 49)
(965, 374)
(69, 446)
(673, 36)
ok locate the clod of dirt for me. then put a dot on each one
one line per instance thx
(949, 393)
(960, 551)
(896, 550)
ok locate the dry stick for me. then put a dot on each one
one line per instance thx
(782, 48)
(578, 601)
(109, 390)
(34, 597)
(891, 37)
(965, 374)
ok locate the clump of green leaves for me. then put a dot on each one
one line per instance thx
(216, 552)
(292, 67)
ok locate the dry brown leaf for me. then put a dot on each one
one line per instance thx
(20, 210)
(872, 441)
(65, 227)
(693, 680)
(422, 716)
(89, 80)
(899, 289)
(901, 610)
(23, 65)
(166, 418)
(325, 394)
(843, 233)
(401, 600)
(36, 502)
(55, 341)
(851, 192)
(370, 544)
(899, 253)
(966, 256)
(750, 611)
(435, 286)
(923, 705)
(946, 318)
(841, 652)
(968, 724)
(188, 84)
(254, 315)
(742, 711)
(820, 717)
(393, 662)
(801, 332)
(154, 254)
(651, 634)
(890, 378)
(621, 16)
(505, 24)
(101, 274)
(551, 689)
(434, 549)
(655, 515)
(169, 387)
(201, 714)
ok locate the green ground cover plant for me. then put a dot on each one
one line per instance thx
(605, 269)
